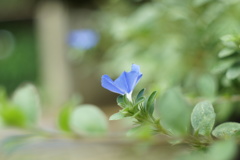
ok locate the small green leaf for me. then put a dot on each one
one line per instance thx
(141, 132)
(207, 86)
(223, 111)
(66, 110)
(150, 103)
(63, 119)
(233, 73)
(13, 116)
(117, 116)
(226, 130)
(140, 100)
(88, 120)
(123, 101)
(26, 98)
(222, 66)
(140, 94)
(222, 150)
(226, 52)
(219, 150)
(120, 99)
(174, 112)
(228, 41)
(203, 118)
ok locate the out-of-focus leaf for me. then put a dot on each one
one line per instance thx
(226, 130)
(233, 72)
(223, 111)
(14, 116)
(222, 66)
(207, 86)
(66, 111)
(140, 132)
(225, 52)
(88, 120)
(174, 112)
(117, 116)
(120, 101)
(203, 118)
(228, 41)
(63, 119)
(200, 2)
(222, 150)
(26, 98)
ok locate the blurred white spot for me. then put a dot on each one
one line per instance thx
(7, 43)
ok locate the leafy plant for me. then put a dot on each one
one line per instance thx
(172, 118)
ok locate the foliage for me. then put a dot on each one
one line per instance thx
(169, 39)
(88, 120)
(173, 118)
(23, 109)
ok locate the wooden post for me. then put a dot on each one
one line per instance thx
(51, 23)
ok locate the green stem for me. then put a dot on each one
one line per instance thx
(160, 128)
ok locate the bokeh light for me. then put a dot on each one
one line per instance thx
(7, 43)
(83, 39)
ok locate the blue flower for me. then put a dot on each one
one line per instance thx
(125, 83)
(83, 39)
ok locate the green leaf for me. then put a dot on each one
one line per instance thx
(88, 120)
(223, 111)
(66, 110)
(228, 41)
(207, 86)
(219, 150)
(226, 130)
(13, 116)
(233, 73)
(140, 100)
(225, 52)
(117, 116)
(120, 99)
(141, 132)
(222, 66)
(123, 101)
(140, 94)
(203, 118)
(26, 98)
(222, 150)
(63, 119)
(174, 112)
(150, 103)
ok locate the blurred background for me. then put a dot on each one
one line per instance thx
(64, 46)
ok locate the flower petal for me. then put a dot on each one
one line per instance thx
(133, 78)
(108, 84)
(122, 82)
(135, 68)
(128, 80)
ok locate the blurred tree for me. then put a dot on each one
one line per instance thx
(21, 64)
